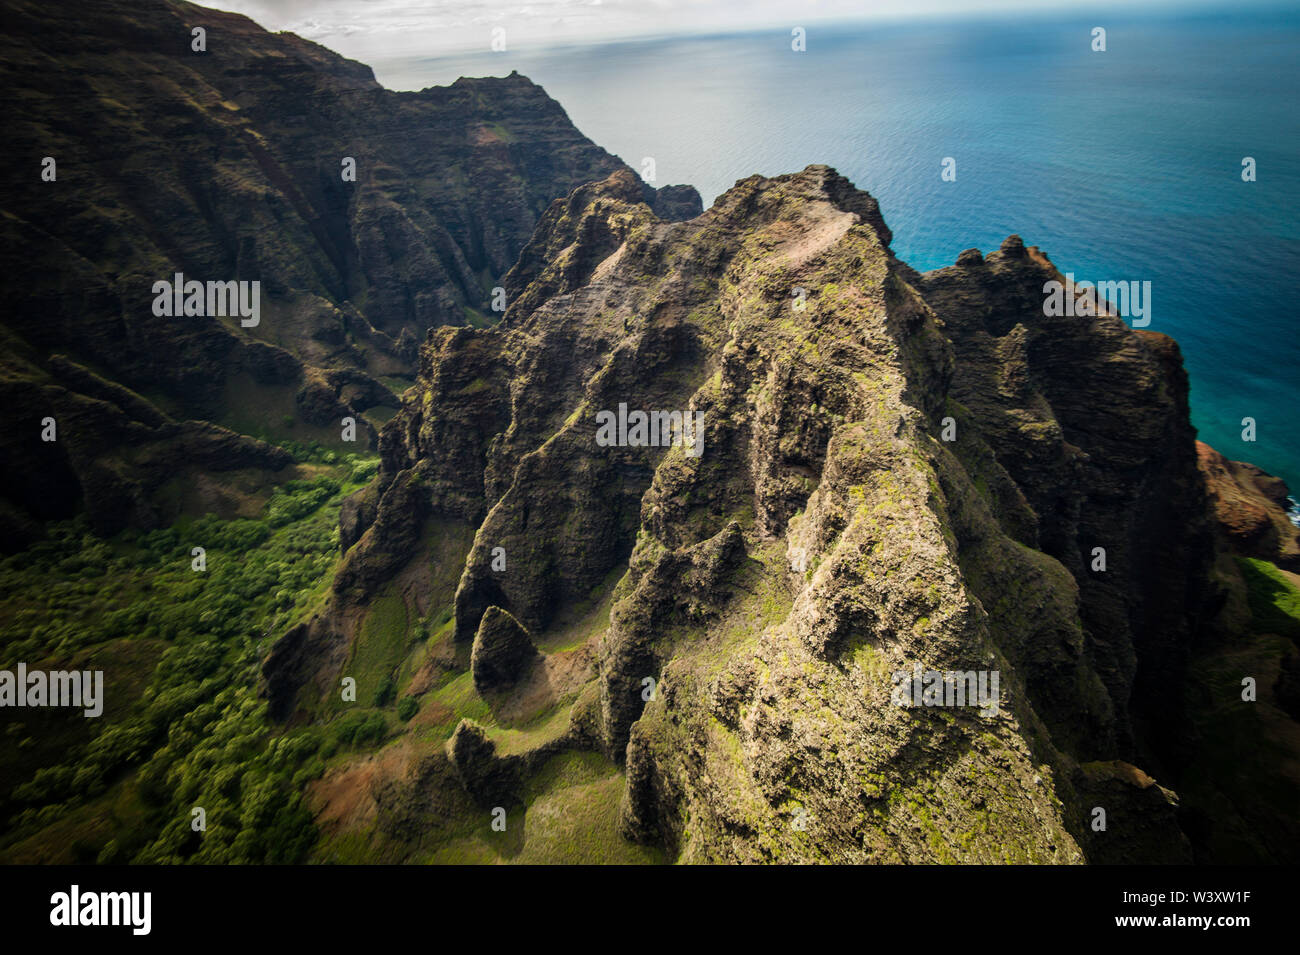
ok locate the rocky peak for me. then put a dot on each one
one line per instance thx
(897, 472)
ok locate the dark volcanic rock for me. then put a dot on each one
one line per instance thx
(1140, 815)
(227, 165)
(896, 472)
(489, 778)
(308, 653)
(1090, 422)
(1250, 508)
(112, 450)
(676, 203)
(813, 458)
(503, 652)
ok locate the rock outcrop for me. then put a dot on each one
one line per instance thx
(787, 551)
(896, 474)
(503, 653)
(1250, 508)
(1089, 420)
(487, 777)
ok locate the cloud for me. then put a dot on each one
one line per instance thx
(391, 28)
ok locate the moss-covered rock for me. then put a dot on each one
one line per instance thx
(897, 472)
(503, 653)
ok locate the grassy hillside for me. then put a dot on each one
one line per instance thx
(180, 650)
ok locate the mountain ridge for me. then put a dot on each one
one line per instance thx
(825, 487)
(680, 637)
(243, 156)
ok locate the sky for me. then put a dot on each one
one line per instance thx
(370, 30)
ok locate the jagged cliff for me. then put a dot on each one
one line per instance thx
(227, 163)
(677, 638)
(894, 470)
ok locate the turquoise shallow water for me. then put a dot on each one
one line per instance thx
(1120, 165)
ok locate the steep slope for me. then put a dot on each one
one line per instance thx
(1090, 422)
(228, 164)
(894, 472)
(1251, 508)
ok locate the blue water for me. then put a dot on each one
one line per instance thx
(1119, 165)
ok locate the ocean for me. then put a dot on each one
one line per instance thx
(1121, 165)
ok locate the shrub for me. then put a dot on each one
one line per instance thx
(361, 728)
(385, 692)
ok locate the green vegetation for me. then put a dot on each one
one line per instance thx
(407, 707)
(572, 816)
(1274, 602)
(1242, 782)
(380, 647)
(569, 817)
(180, 648)
(360, 729)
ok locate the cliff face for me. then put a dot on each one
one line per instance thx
(227, 164)
(1250, 508)
(1090, 422)
(894, 472)
(673, 554)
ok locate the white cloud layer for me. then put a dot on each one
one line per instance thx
(380, 29)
